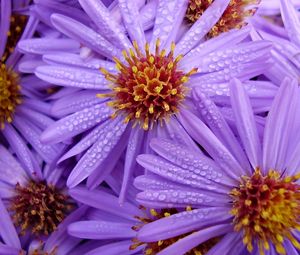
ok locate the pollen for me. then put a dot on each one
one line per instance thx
(155, 247)
(16, 28)
(267, 210)
(234, 16)
(39, 207)
(9, 94)
(149, 87)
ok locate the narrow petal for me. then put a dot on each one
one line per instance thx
(134, 148)
(132, 22)
(291, 21)
(216, 149)
(202, 26)
(186, 244)
(181, 198)
(105, 202)
(92, 159)
(24, 155)
(101, 230)
(246, 126)
(279, 126)
(107, 26)
(217, 123)
(84, 35)
(182, 223)
(47, 45)
(76, 123)
(7, 229)
(72, 77)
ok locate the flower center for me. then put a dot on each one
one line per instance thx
(149, 87)
(17, 26)
(39, 207)
(233, 17)
(155, 247)
(267, 210)
(9, 94)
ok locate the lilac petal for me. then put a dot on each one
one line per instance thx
(279, 126)
(201, 27)
(101, 230)
(76, 123)
(217, 123)
(220, 42)
(71, 59)
(18, 174)
(10, 176)
(169, 16)
(134, 148)
(86, 142)
(6, 191)
(115, 248)
(59, 234)
(181, 198)
(155, 182)
(84, 35)
(291, 21)
(216, 149)
(181, 223)
(4, 24)
(290, 248)
(184, 245)
(245, 122)
(193, 165)
(192, 178)
(229, 57)
(21, 149)
(7, 229)
(107, 26)
(148, 14)
(72, 77)
(230, 244)
(132, 22)
(75, 102)
(47, 45)
(177, 133)
(9, 250)
(32, 135)
(109, 163)
(92, 159)
(105, 202)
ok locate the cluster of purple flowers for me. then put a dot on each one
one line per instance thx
(146, 127)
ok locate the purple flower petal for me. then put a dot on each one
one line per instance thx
(76, 123)
(84, 35)
(107, 26)
(101, 230)
(72, 77)
(182, 223)
(7, 229)
(92, 159)
(202, 26)
(4, 24)
(279, 126)
(43, 45)
(245, 122)
(186, 244)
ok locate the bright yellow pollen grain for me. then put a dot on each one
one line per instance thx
(149, 86)
(275, 214)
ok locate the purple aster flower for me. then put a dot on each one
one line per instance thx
(286, 41)
(243, 190)
(272, 7)
(23, 112)
(40, 209)
(141, 95)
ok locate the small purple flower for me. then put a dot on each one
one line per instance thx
(23, 112)
(40, 209)
(148, 85)
(243, 190)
